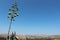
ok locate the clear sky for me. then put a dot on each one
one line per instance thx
(36, 16)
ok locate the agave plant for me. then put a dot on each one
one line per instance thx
(12, 14)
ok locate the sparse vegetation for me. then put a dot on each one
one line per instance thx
(2, 38)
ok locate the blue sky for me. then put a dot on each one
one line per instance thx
(36, 17)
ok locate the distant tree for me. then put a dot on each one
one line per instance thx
(11, 15)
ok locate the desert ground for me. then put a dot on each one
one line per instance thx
(32, 37)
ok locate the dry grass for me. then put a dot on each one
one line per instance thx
(22, 37)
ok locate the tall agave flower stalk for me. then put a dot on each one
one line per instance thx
(11, 15)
